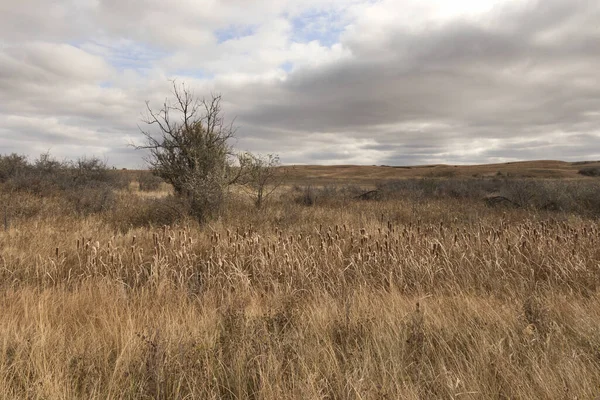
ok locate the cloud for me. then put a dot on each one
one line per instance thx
(367, 82)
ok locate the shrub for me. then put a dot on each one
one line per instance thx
(12, 165)
(191, 151)
(85, 170)
(87, 184)
(91, 199)
(590, 171)
(261, 176)
(307, 195)
(134, 212)
(149, 182)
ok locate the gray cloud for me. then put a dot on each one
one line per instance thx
(517, 82)
(478, 81)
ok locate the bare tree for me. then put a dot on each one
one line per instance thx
(189, 148)
(262, 176)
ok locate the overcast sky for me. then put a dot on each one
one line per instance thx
(399, 82)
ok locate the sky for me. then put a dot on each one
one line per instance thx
(373, 82)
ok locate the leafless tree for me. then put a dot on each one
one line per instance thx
(189, 147)
(262, 176)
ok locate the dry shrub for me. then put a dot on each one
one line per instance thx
(306, 196)
(590, 171)
(132, 212)
(91, 199)
(148, 182)
(47, 175)
(331, 195)
(12, 165)
(580, 197)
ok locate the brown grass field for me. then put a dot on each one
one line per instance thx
(396, 298)
(318, 174)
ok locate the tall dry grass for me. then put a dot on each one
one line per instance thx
(445, 299)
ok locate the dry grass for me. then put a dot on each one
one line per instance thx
(439, 299)
(322, 175)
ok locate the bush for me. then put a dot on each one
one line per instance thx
(91, 199)
(47, 175)
(149, 182)
(306, 196)
(12, 165)
(331, 194)
(135, 212)
(590, 171)
(426, 188)
(87, 184)
(580, 197)
(86, 170)
(192, 150)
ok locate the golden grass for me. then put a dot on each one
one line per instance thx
(365, 300)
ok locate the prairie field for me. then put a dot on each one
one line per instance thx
(429, 287)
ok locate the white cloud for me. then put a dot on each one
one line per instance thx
(346, 81)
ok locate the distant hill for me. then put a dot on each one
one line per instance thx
(321, 174)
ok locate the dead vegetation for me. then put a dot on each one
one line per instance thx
(413, 294)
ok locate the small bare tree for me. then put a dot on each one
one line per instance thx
(262, 176)
(190, 149)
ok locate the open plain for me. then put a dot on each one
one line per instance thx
(441, 282)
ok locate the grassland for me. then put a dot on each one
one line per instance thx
(543, 169)
(407, 296)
